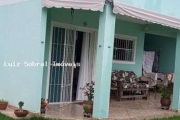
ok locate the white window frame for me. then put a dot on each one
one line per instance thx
(127, 37)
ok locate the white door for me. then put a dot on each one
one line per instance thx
(61, 68)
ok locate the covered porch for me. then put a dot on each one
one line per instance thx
(110, 19)
(111, 25)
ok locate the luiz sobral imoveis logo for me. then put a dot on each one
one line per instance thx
(39, 64)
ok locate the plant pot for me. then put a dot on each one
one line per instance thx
(43, 107)
(165, 102)
(3, 105)
(88, 107)
(21, 113)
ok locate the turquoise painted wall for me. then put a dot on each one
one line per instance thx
(79, 17)
(138, 30)
(131, 29)
(176, 90)
(160, 30)
(64, 16)
(104, 63)
(44, 34)
(20, 39)
(167, 48)
(166, 7)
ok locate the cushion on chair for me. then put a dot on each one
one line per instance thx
(113, 84)
(128, 78)
(150, 81)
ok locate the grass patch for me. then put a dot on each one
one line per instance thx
(4, 117)
(170, 118)
(38, 118)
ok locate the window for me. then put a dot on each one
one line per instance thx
(124, 49)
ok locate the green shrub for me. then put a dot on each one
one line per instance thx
(165, 93)
(21, 104)
(39, 118)
(4, 117)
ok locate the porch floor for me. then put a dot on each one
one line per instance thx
(121, 110)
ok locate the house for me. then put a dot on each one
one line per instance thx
(37, 34)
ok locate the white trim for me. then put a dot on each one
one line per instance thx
(127, 37)
(66, 103)
(49, 61)
(73, 27)
(59, 103)
(66, 26)
(123, 62)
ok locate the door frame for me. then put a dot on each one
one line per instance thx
(66, 26)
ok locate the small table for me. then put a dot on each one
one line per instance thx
(144, 95)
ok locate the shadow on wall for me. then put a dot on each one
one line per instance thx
(166, 47)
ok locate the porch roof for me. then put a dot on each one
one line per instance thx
(146, 15)
(94, 5)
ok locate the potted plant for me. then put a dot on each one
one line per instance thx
(44, 104)
(165, 97)
(3, 104)
(88, 91)
(20, 112)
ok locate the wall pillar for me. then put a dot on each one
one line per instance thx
(104, 62)
(176, 90)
